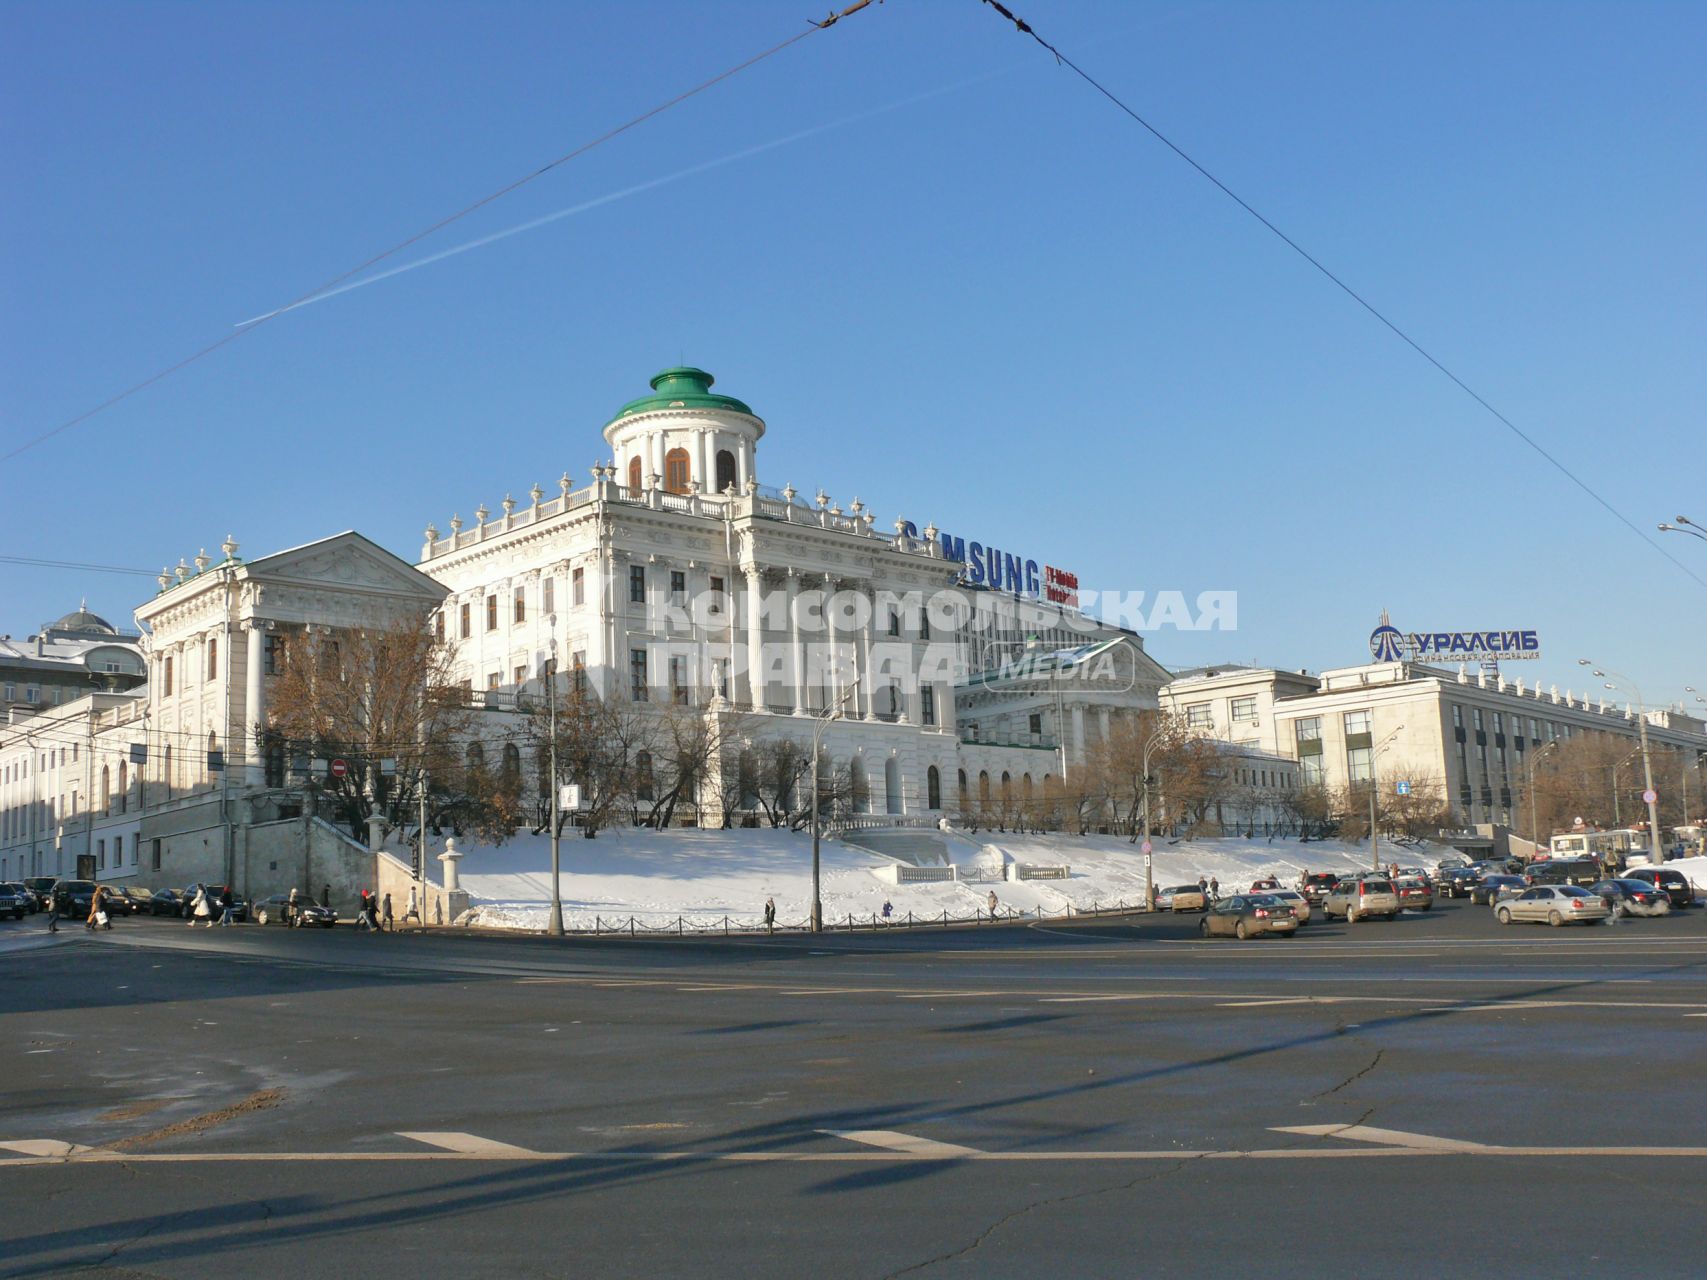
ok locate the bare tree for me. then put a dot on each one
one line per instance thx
(604, 746)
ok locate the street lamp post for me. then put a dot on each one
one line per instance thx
(1149, 875)
(1374, 773)
(1534, 822)
(1656, 853)
(1685, 525)
(823, 722)
(554, 926)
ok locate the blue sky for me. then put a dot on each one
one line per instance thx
(1000, 306)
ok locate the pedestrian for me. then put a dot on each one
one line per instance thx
(361, 912)
(200, 909)
(290, 909)
(389, 923)
(888, 910)
(98, 917)
(770, 915)
(53, 904)
(413, 910)
(227, 903)
(1203, 887)
(373, 912)
(992, 904)
(326, 896)
(1214, 889)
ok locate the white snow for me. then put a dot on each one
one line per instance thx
(704, 876)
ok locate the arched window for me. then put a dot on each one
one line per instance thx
(933, 788)
(962, 784)
(983, 786)
(725, 470)
(634, 474)
(892, 785)
(677, 473)
(106, 789)
(475, 758)
(861, 792)
(124, 786)
(166, 769)
(511, 769)
(1025, 787)
(643, 776)
(212, 746)
(1007, 788)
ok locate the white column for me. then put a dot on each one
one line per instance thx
(741, 468)
(797, 651)
(1076, 750)
(832, 668)
(755, 637)
(866, 678)
(254, 707)
(1102, 722)
(707, 462)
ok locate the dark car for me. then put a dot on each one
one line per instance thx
(1633, 897)
(1318, 886)
(123, 900)
(42, 887)
(1488, 890)
(166, 902)
(1578, 871)
(13, 900)
(72, 897)
(273, 911)
(1675, 883)
(32, 904)
(1459, 881)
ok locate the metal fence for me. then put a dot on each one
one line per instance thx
(634, 926)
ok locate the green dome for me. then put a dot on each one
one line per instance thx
(682, 387)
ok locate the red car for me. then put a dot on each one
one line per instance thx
(1264, 885)
(1415, 893)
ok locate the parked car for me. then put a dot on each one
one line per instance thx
(1317, 886)
(32, 904)
(1298, 902)
(166, 902)
(272, 911)
(1415, 893)
(1182, 897)
(1554, 904)
(1500, 866)
(1264, 884)
(1360, 897)
(1675, 883)
(12, 900)
(73, 897)
(42, 887)
(1460, 881)
(1490, 889)
(1245, 915)
(1633, 897)
(1581, 872)
(124, 900)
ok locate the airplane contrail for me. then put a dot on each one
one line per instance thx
(610, 197)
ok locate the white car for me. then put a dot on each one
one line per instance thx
(1298, 902)
(1554, 904)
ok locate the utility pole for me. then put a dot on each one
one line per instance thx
(555, 925)
(834, 713)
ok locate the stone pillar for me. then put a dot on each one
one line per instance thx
(1076, 748)
(255, 707)
(831, 668)
(450, 857)
(865, 676)
(755, 637)
(797, 650)
(707, 462)
(1102, 722)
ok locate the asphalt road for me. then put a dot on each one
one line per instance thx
(1435, 1096)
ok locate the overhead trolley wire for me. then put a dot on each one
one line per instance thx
(1025, 28)
(813, 25)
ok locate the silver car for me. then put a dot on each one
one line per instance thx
(1360, 897)
(1298, 902)
(1554, 904)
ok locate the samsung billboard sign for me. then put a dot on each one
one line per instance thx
(1388, 644)
(988, 566)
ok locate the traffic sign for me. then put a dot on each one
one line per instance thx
(1649, 796)
(1402, 787)
(1148, 847)
(1146, 862)
(339, 768)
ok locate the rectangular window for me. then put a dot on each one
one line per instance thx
(716, 594)
(439, 627)
(491, 613)
(213, 658)
(1359, 764)
(1357, 722)
(494, 680)
(636, 584)
(1478, 714)
(577, 587)
(1310, 770)
(925, 623)
(166, 679)
(521, 604)
(1457, 716)
(101, 854)
(1036, 723)
(1197, 716)
(1308, 729)
(578, 670)
(1499, 723)
(678, 588)
(154, 855)
(467, 629)
(637, 674)
(927, 704)
(1244, 710)
(894, 623)
(521, 675)
(118, 850)
(679, 680)
(548, 594)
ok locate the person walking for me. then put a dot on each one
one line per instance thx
(1203, 887)
(992, 904)
(770, 915)
(99, 918)
(1214, 889)
(361, 913)
(413, 910)
(373, 912)
(53, 905)
(390, 924)
(200, 909)
(326, 896)
(226, 914)
(290, 909)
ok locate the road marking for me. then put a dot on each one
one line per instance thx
(1164, 995)
(904, 1143)
(469, 1144)
(45, 1147)
(951, 995)
(1258, 1004)
(1387, 1137)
